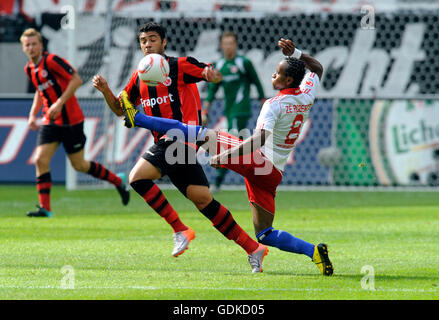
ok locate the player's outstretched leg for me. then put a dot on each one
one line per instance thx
(181, 131)
(128, 110)
(321, 259)
(287, 242)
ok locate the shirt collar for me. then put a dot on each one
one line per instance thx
(293, 91)
(39, 60)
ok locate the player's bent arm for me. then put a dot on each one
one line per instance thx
(248, 146)
(312, 64)
(75, 83)
(36, 104)
(57, 106)
(35, 108)
(112, 101)
(288, 48)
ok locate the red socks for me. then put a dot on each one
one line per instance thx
(99, 171)
(223, 221)
(44, 184)
(152, 195)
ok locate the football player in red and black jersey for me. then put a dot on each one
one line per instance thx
(178, 98)
(55, 83)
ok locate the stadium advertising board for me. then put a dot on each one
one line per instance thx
(121, 148)
(17, 145)
(18, 142)
(352, 166)
(404, 138)
(354, 142)
(387, 142)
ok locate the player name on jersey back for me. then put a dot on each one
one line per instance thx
(298, 108)
(284, 116)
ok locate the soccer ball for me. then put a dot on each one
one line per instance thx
(153, 69)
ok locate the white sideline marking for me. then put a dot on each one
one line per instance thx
(228, 289)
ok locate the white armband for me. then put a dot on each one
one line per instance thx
(296, 54)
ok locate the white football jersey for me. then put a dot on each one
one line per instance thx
(284, 116)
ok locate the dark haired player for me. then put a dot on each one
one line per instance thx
(55, 82)
(179, 100)
(261, 158)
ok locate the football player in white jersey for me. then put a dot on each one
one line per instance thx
(262, 157)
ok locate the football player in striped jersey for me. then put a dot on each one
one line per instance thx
(177, 99)
(261, 158)
(55, 82)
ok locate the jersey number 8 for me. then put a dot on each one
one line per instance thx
(295, 130)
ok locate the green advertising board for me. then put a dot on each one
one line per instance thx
(387, 142)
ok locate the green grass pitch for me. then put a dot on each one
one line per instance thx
(384, 245)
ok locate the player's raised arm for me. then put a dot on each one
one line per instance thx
(289, 49)
(312, 64)
(112, 101)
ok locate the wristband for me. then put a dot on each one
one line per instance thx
(296, 54)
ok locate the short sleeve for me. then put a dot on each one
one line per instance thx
(268, 115)
(60, 66)
(191, 69)
(309, 84)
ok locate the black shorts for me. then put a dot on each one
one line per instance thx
(72, 137)
(177, 161)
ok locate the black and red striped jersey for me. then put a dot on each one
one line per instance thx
(51, 76)
(179, 99)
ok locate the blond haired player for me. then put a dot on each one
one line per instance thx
(261, 158)
(55, 82)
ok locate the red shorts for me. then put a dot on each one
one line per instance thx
(261, 177)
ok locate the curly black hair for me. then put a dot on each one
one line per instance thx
(296, 70)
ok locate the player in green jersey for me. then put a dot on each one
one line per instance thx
(238, 76)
